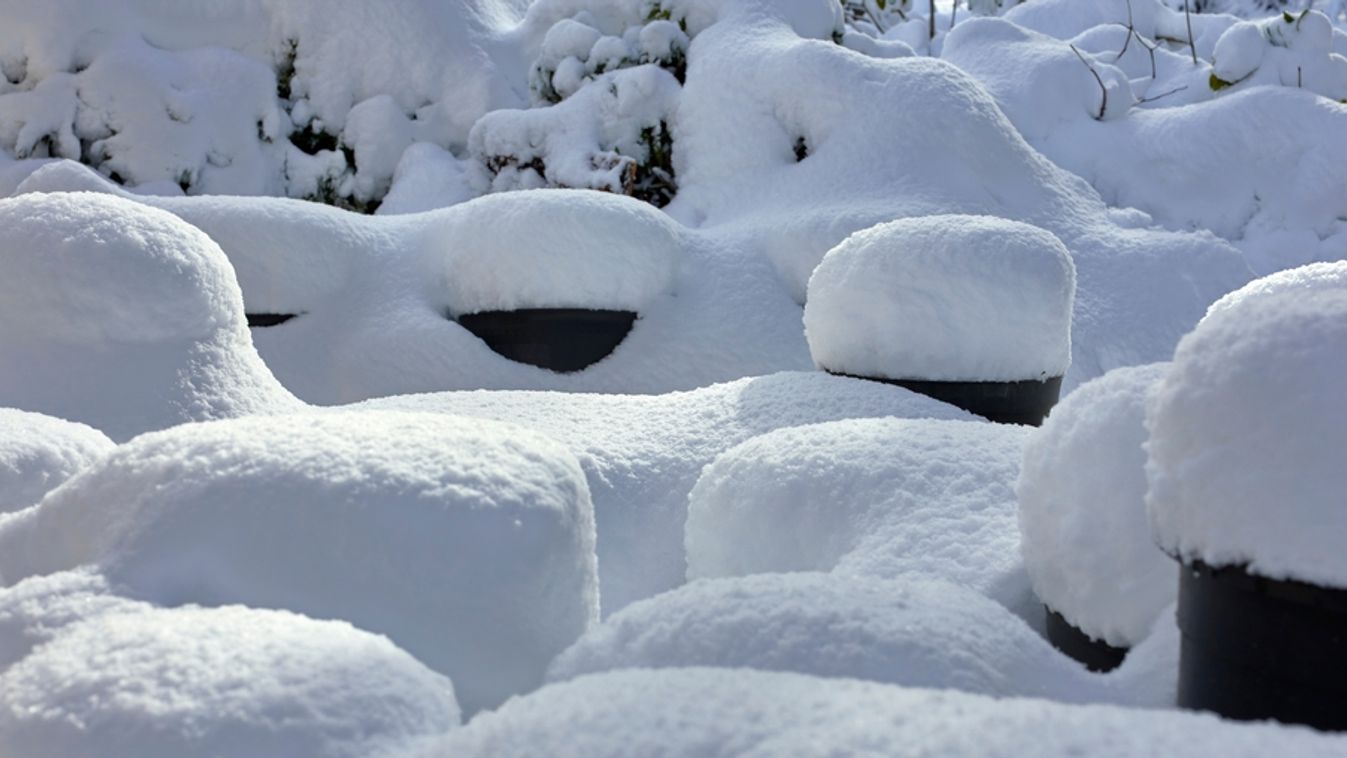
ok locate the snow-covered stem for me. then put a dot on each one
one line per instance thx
(1103, 91)
(1188, 19)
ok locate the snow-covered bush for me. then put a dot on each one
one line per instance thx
(1291, 51)
(469, 543)
(1082, 492)
(38, 453)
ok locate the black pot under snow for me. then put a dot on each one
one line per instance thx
(1097, 655)
(260, 320)
(1257, 648)
(1026, 402)
(560, 339)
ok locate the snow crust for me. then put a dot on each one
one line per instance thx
(558, 249)
(38, 453)
(98, 289)
(643, 454)
(720, 712)
(909, 631)
(469, 543)
(954, 298)
(223, 682)
(874, 497)
(1245, 432)
(1085, 537)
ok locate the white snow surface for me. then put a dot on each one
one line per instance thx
(165, 683)
(38, 453)
(469, 543)
(910, 631)
(1084, 534)
(951, 298)
(643, 454)
(122, 317)
(1314, 277)
(37, 609)
(1246, 434)
(707, 712)
(874, 497)
(558, 249)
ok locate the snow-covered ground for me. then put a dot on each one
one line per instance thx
(262, 494)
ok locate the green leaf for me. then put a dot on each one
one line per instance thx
(1288, 18)
(1217, 83)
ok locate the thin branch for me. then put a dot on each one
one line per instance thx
(1174, 91)
(953, 14)
(1188, 17)
(1103, 100)
(932, 20)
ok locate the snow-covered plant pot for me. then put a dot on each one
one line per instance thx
(555, 278)
(971, 310)
(1246, 482)
(1084, 537)
(559, 339)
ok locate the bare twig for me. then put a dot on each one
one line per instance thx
(1174, 91)
(1188, 18)
(953, 14)
(1103, 100)
(932, 20)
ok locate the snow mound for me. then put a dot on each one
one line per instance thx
(963, 298)
(709, 713)
(1082, 492)
(1304, 279)
(643, 453)
(1246, 434)
(222, 682)
(38, 453)
(1284, 49)
(94, 286)
(469, 543)
(36, 609)
(556, 249)
(878, 497)
(910, 631)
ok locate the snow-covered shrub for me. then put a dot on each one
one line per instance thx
(1287, 50)
(123, 317)
(228, 682)
(38, 453)
(468, 543)
(576, 50)
(1082, 493)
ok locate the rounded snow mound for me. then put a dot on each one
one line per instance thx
(221, 682)
(35, 610)
(880, 497)
(1247, 433)
(38, 453)
(555, 249)
(713, 713)
(90, 268)
(123, 317)
(914, 632)
(1304, 279)
(1082, 491)
(469, 543)
(954, 298)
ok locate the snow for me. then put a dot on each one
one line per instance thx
(1084, 534)
(469, 543)
(875, 497)
(1315, 277)
(1245, 435)
(910, 631)
(599, 251)
(37, 609)
(96, 286)
(719, 712)
(38, 453)
(223, 682)
(952, 298)
(643, 454)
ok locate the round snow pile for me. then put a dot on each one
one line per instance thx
(914, 632)
(38, 453)
(123, 317)
(38, 608)
(1314, 277)
(219, 682)
(880, 497)
(1082, 493)
(1247, 437)
(715, 713)
(555, 249)
(952, 298)
(469, 543)
(1290, 50)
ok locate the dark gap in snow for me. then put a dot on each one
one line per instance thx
(262, 320)
(558, 339)
(801, 149)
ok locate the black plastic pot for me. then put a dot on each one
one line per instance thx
(1026, 402)
(1257, 648)
(1097, 655)
(559, 339)
(260, 320)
